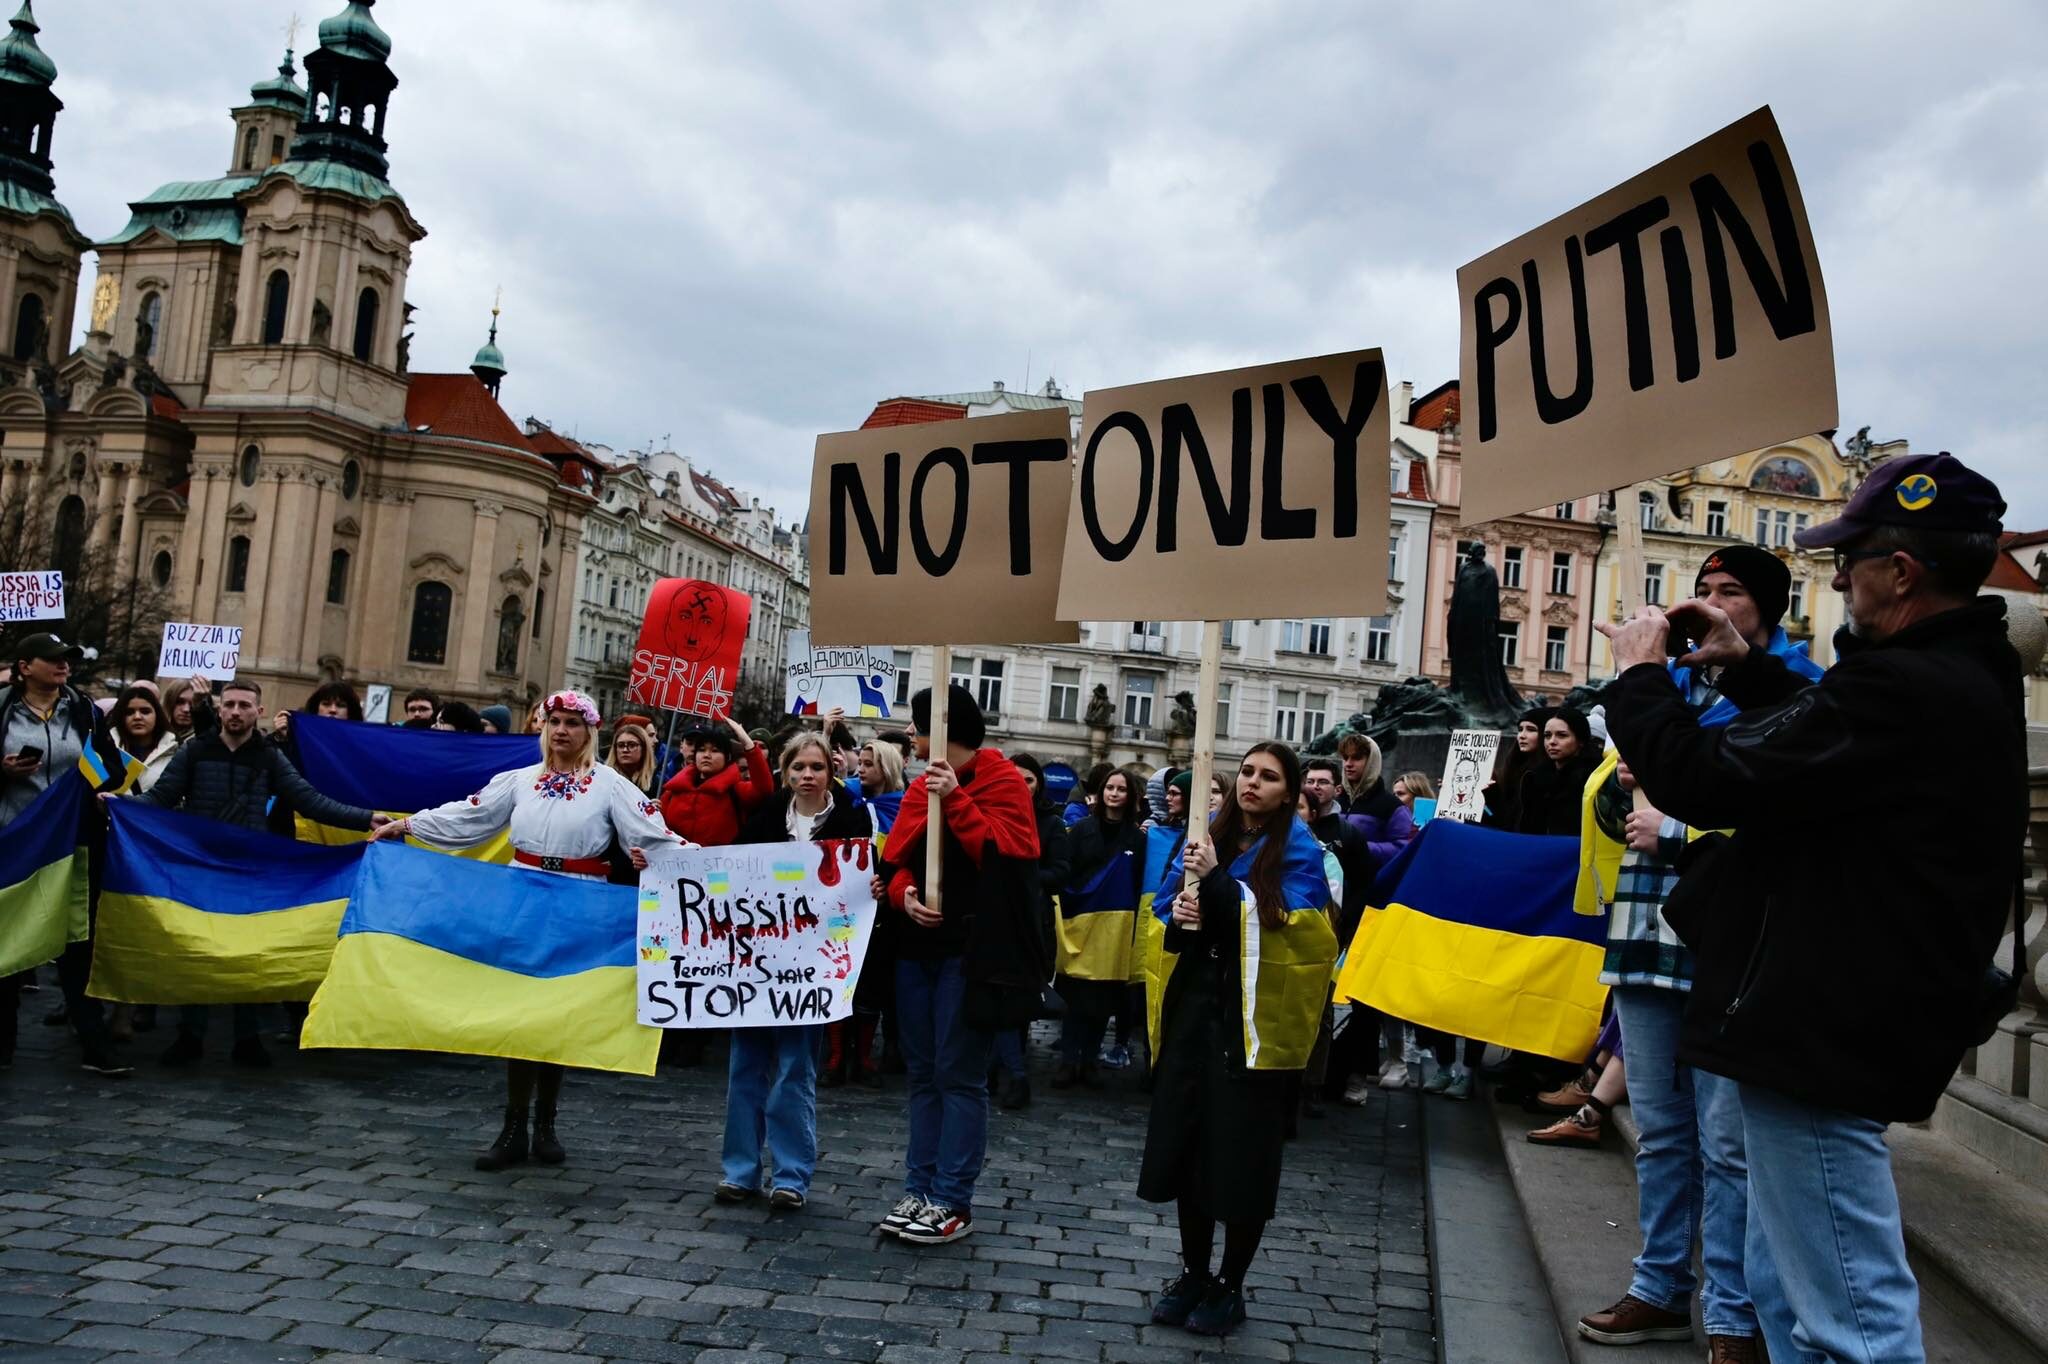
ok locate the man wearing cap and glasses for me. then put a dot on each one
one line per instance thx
(45, 725)
(1841, 953)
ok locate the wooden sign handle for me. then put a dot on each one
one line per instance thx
(1628, 563)
(1204, 764)
(935, 825)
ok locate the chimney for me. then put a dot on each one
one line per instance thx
(999, 385)
(1404, 400)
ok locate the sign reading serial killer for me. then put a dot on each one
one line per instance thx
(688, 658)
(754, 936)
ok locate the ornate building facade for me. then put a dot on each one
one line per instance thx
(242, 431)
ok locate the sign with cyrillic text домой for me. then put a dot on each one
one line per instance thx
(753, 936)
(941, 532)
(1193, 497)
(1677, 319)
(212, 651)
(858, 679)
(31, 596)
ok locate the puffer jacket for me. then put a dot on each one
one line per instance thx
(236, 785)
(1370, 808)
(711, 811)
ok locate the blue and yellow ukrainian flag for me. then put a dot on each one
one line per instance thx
(1150, 964)
(193, 911)
(399, 771)
(1098, 921)
(1477, 938)
(106, 766)
(438, 954)
(44, 902)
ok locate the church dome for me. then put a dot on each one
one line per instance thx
(21, 60)
(353, 33)
(283, 90)
(489, 357)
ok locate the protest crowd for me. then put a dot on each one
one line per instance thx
(1701, 805)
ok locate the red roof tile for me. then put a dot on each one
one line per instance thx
(1418, 481)
(912, 412)
(2009, 574)
(459, 406)
(1436, 409)
(714, 492)
(166, 405)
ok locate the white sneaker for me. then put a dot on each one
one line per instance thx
(1396, 1076)
(1357, 1092)
(908, 1209)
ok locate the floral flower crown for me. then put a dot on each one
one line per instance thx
(575, 701)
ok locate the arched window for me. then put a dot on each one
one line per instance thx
(366, 324)
(251, 464)
(249, 149)
(337, 577)
(69, 538)
(28, 328)
(148, 317)
(277, 297)
(510, 618)
(160, 568)
(540, 601)
(428, 642)
(351, 480)
(238, 564)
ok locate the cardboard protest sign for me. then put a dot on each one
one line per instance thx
(941, 533)
(1467, 769)
(1194, 496)
(754, 936)
(31, 596)
(854, 678)
(1676, 319)
(212, 651)
(688, 659)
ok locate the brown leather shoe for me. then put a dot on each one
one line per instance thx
(1567, 1099)
(1582, 1128)
(1633, 1321)
(1737, 1350)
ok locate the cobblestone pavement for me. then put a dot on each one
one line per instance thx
(327, 1209)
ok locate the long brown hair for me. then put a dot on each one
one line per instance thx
(1268, 872)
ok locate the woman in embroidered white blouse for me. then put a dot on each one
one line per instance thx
(563, 814)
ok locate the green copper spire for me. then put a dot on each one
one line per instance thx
(21, 60)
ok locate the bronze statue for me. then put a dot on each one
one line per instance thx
(1101, 710)
(1181, 719)
(1479, 680)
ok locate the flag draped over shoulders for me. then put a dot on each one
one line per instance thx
(194, 911)
(1471, 931)
(399, 771)
(438, 954)
(43, 888)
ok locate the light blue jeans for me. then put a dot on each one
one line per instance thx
(771, 1094)
(947, 1066)
(1691, 1178)
(1826, 1254)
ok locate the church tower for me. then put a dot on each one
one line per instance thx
(40, 246)
(266, 125)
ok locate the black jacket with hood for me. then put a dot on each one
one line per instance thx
(1841, 938)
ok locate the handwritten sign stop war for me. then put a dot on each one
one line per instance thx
(213, 651)
(1195, 496)
(754, 936)
(1676, 319)
(941, 533)
(31, 596)
(688, 659)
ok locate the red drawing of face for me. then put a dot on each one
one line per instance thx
(696, 623)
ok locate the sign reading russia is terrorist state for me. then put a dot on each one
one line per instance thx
(754, 936)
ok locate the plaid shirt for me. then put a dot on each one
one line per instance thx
(1641, 948)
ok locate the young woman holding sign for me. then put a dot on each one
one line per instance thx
(771, 1087)
(1230, 1050)
(563, 814)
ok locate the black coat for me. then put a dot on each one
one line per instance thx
(236, 785)
(1354, 857)
(1094, 841)
(1552, 798)
(1217, 1128)
(1841, 936)
(770, 823)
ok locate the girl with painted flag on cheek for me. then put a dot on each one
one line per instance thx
(563, 814)
(1254, 949)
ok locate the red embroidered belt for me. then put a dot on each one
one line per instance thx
(582, 866)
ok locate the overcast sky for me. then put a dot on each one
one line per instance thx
(736, 226)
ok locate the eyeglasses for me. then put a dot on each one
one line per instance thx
(1845, 559)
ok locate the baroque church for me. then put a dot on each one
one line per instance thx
(241, 435)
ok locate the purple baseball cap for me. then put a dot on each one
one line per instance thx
(1930, 492)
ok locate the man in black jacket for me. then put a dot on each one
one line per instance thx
(1841, 950)
(231, 775)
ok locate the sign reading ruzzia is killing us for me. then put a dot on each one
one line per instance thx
(31, 596)
(754, 936)
(213, 651)
(1678, 318)
(688, 659)
(941, 533)
(1193, 496)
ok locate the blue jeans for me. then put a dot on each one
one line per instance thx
(1009, 1051)
(1691, 1178)
(771, 1094)
(947, 1067)
(1826, 1255)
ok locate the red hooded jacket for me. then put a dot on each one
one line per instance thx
(710, 810)
(990, 810)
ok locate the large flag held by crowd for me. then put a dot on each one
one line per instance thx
(43, 886)
(398, 771)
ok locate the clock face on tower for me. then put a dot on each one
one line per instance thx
(106, 297)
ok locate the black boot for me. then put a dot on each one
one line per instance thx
(510, 1147)
(547, 1148)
